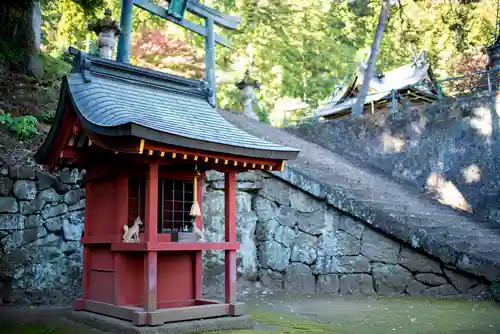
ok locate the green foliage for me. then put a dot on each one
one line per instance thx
(262, 114)
(89, 6)
(6, 119)
(53, 67)
(496, 290)
(297, 49)
(23, 127)
(47, 116)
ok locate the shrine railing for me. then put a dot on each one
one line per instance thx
(478, 82)
(459, 87)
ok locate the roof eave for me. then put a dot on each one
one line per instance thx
(45, 153)
(338, 108)
(168, 139)
(42, 155)
(142, 132)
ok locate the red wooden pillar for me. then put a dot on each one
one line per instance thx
(86, 250)
(151, 214)
(230, 233)
(150, 277)
(85, 272)
(150, 234)
(198, 259)
(121, 207)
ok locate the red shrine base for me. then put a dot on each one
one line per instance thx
(113, 325)
(184, 310)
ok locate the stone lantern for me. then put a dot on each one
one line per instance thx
(107, 29)
(247, 88)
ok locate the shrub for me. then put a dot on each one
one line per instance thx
(6, 119)
(23, 126)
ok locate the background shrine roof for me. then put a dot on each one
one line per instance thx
(118, 99)
(417, 76)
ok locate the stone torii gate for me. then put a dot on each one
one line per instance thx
(175, 13)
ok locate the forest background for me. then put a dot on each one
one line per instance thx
(300, 50)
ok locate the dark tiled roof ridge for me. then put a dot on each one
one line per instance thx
(90, 66)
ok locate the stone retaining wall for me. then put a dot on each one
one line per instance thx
(450, 149)
(292, 241)
(41, 222)
(289, 240)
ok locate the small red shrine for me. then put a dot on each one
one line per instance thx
(146, 139)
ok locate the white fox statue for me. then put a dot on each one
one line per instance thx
(131, 234)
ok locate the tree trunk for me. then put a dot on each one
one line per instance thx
(382, 19)
(37, 23)
(18, 40)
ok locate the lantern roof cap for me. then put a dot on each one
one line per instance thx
(105, 24)
(248, 81)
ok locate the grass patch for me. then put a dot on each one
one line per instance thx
(293, 323)
(274, 322)
(409, 316)
(53, 67)
(29, 100)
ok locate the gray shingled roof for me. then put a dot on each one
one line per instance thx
(407, 77)
(119, 99)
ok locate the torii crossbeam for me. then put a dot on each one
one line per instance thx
(175, 13)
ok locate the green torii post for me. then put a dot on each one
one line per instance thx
(175, 13)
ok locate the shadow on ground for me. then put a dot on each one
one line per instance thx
(282, 313)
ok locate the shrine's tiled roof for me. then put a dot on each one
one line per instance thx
(414, 77)
(117, 99)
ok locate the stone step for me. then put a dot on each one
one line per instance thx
(399, 207)
(397, 210)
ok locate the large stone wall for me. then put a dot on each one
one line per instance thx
(289, 240)
(41, 222)
(450, 148)
(292, 241)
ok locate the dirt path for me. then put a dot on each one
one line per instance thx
(284, 313)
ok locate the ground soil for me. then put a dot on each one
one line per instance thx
(21, 95)
(329, 314)
(284, 313)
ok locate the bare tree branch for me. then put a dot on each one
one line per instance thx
(382, 19)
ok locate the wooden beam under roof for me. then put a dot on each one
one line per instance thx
(197, 156)
(146, 151)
